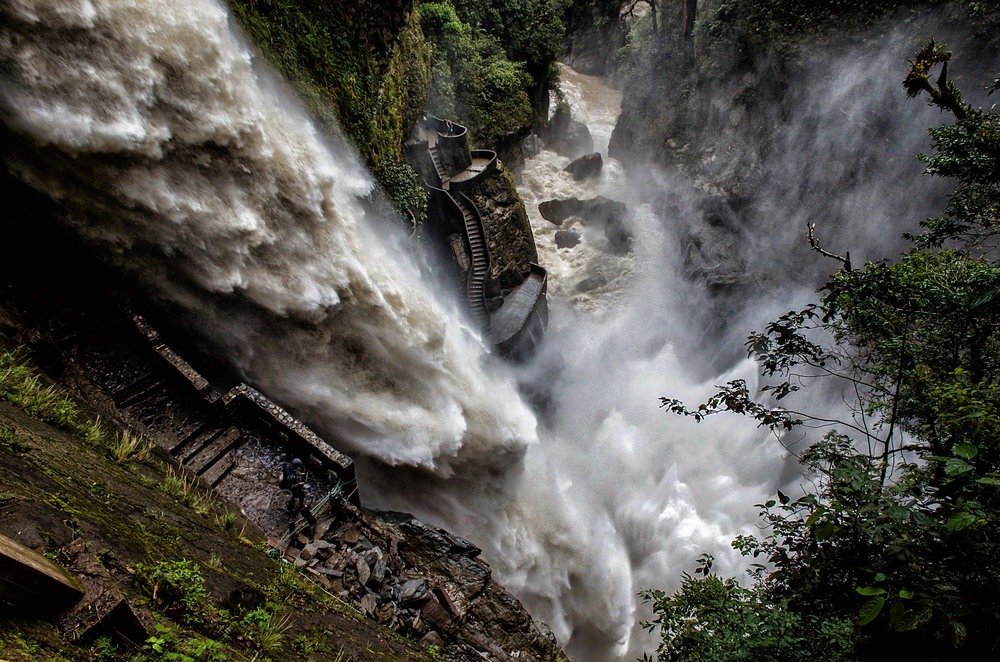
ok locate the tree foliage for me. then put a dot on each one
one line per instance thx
(895, 550)
(530, 31)
(472, 78)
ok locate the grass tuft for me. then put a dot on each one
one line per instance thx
(226, 521)
(21, 386)
(185, 489)
(128, 446)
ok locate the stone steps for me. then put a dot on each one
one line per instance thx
(191, 444)
(220, 446)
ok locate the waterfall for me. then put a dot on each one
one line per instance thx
(185, 166)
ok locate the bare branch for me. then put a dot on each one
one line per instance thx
(814, 244)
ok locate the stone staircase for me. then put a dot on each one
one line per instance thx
(209, 451)
(438, 166)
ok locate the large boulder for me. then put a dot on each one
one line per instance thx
(585, 167)
(557, 211)
(567, 137)
(593, 211)
(567, 238)
(610, 216)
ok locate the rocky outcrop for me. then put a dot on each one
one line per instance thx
(782, 129)
(508, 230)
(596, 211)
(566, 136)
(610, 216)
(422, 581)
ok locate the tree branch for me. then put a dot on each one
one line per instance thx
(814, 244)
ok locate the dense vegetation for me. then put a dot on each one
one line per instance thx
(492, 62)
(892, 550)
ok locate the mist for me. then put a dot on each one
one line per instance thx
(651, 490)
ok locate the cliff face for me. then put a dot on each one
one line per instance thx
(362, 65)
(362, 69)
(784, 114)
(508, 231)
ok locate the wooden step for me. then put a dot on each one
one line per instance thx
(137, 390)
(200, 430)
(218, 471)
(186, 427)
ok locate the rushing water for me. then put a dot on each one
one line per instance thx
(178, 159)
(642, 493)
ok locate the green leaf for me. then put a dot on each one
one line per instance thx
(870, 590)
(825, 530)
(905, 594)
(989, 480)
(965, 450)
(819, 512)
(958, 634)
(899, 513)
(870, 610)
(899, 618)
(960, 520)
(956, 467)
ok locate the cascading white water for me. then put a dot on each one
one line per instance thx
(642, 493)
(147, 121)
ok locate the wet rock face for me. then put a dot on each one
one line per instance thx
(712, 254)
(423, 582)
(713, 251)
(509, 238)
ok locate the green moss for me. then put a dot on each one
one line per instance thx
(124, 517)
